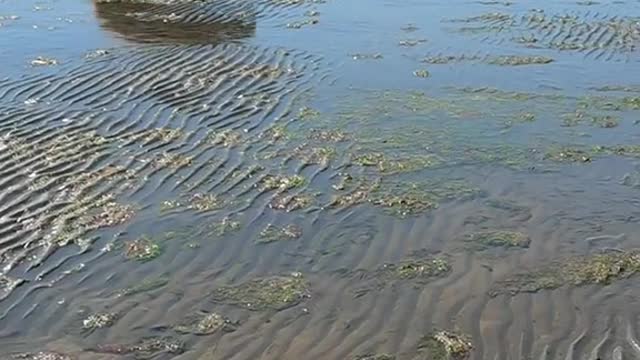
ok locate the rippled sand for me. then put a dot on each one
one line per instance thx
(318, 180)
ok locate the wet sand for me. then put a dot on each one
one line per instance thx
(318, 180)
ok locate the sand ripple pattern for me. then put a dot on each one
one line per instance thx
(139, 129)
(183, 145)
(119, 147)
(86, 149)
(594, 34)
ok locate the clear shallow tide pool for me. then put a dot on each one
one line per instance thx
(303, 179)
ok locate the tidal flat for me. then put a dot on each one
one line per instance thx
(316, 179)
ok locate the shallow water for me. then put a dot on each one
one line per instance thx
(160, 160)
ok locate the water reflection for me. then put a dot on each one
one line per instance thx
(190, 24)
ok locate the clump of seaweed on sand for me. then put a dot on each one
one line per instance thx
(420, 269)
(281, 182)
(204, 324)
(143, 249)
(41, 355)
(277, 292)
(97, 321)
(445, 345)
(145, 348)
(273, 233)
(596, 269)
(288, 203)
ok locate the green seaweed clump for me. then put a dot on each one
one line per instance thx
(498, 238)
(396, 165)
(620, 88)
(515, 60)
(620, 150)
(145, 348)
(281, 182)
(446, 345)
(111, 214)
(632, 103)
(601, 268)
(344, 180)
(535, 26)
(415, 163)
(225, 226)
(573, 119)
(172, 161)
(142, 249)
(275, 133)
(87, 214)
(226, 138)
(205, 324)
(574, 154)
(273, 233)
(358, 195)
(290, 203)
(578, 117)
(260, 71)
(405, 199)
(526, 117)
(415, 269)
(41, 355)
(441, 59)
(314, 155)
(205, 202)
(410, 202)
(164, 135)
(605, 122)
(327, 135)
(300, 201)
(307, 113)
(107, 174)
(268, 293)
(99, 321)
(602, 103)
(369, 159)
(568, 154)
(169, 205)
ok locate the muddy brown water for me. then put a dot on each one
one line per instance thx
(323, 142)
